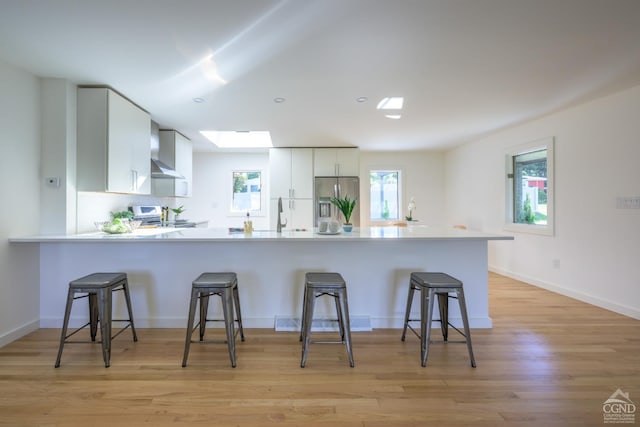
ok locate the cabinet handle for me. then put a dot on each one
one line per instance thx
(134, 180)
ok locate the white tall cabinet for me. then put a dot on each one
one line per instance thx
(114, 148)
(291, 178)
(176, 151)
(336, 162)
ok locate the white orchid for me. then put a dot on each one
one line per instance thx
(411, 207)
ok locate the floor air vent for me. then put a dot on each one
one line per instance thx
(358, 323)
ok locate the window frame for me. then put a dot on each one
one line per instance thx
(400, 192)
(547, 144)
(241, 213)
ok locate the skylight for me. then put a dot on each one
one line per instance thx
(391, 103)
(239, 139)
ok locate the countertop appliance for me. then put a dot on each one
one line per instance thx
(328, 187)
(152, 215)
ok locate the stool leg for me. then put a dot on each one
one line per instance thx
(127, 296)
(443, 307)
(104, 312)
(465, 321)
(65, 325)
(309, 302)
(336, 298)
(204, 309)
(93, 315)
(408, 311)
(236, 300)
(344, 316)
(304, 313)
(192, 315)
(227, 309)
(426, 316)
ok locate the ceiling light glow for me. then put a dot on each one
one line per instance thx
(391, 103)
(239, 139)
(393, 116)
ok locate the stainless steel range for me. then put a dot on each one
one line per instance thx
(152, 215)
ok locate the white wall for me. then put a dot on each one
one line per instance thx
(422, 175)
(212, 186)
(20, 213)
(594, 255)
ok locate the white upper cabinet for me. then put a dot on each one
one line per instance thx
(290, 173)
(336, 162)
(114, 148)
(176, 151)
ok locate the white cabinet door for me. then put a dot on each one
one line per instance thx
(139, 136)
(336, 162)
(348, 160)
(113, 138)
(301, 173)
(279, 173)
(298, 214)
(301, 214)
(176, 152)
(290, 173)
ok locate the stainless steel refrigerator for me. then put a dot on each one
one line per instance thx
(328, 187)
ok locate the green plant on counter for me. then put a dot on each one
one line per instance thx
(122, 215)
(346, 206)
(178, 210)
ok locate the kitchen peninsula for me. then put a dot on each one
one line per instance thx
(375, 262)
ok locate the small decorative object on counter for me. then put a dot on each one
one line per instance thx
(346, 206)
(248, 225)
(411, 207)
(178, 211)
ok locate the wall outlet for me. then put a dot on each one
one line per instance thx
(631, 202)
(52, 181)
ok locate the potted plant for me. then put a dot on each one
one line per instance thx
(177, 211)
(346, 206)
(411, 208)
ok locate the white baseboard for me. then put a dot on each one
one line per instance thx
(580, 296)
(288, 323)
(13, 335)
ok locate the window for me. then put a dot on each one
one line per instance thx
(529, 188)
(247, 191)
(384, 195)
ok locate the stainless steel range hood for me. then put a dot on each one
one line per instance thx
(162, 171)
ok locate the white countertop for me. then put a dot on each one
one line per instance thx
(223, 234)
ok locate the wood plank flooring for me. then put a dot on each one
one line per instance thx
(549, 360)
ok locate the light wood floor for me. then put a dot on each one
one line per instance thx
(549, 360)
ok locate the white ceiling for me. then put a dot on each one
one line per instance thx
(465, 67)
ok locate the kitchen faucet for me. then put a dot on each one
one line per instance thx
(280, 224)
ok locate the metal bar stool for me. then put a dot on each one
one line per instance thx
(98, 289)
(333, 285)
(225, 285)
(442, 285)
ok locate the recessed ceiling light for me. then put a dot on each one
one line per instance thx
(279, 100)
(392, 103)
(198, 100)
(239, 139)
(362, 99)
(393, 116)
